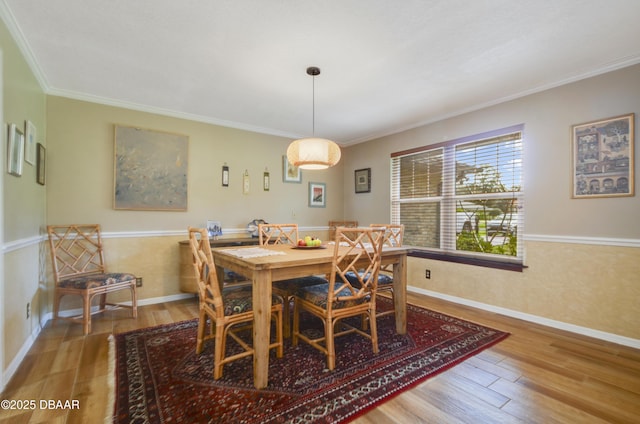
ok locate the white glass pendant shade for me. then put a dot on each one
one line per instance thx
(313, 153)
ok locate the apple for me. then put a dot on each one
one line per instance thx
(301, 243)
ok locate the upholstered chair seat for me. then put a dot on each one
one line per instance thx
(95, 280)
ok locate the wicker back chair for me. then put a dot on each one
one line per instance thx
(339, 298)
(79, 269)
(225, 311)
(278, 233)
(393, 235)
(285, 234)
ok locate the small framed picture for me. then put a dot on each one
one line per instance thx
(15, 150)
(363, 180)
(29, 143)
(602, 158)
(290, 173)
(41, 158)
(214, 228)
(317, 195)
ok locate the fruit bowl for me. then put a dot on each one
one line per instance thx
(322, 246)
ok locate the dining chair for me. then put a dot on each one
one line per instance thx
(77, 257)
(278, 234)
(393, 235)
(338, 299)
(224, 312)
(286, 234)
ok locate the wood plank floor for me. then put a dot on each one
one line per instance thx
(537, 375)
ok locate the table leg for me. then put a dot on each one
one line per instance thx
(261, 327)
(400, 294)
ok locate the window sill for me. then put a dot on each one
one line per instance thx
(448, 257)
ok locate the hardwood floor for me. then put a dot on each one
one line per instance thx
(537, 375)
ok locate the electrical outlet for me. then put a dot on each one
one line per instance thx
(427, 273)
(28, 310)
(139, 282)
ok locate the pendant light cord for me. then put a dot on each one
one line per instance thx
(313, 71)
(313, 106)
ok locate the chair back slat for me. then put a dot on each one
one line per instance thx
(75, 250)
(209, 289)
(278, 234)
(393, 235)
(357, 252)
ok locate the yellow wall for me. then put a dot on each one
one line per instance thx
(23, 209)
(80, 182)
(577, 272)
(590, 286)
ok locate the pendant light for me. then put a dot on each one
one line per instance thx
(313, 152)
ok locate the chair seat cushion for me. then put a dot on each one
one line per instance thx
(95, 280)
(289, 287)
(238, 300)
(317, 295)
(383, 279)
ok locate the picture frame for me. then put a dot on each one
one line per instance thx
(214, 228)
(602, 158)
(15, 150)
(150, 170)
(317, 195)
(363, 180)
(41, 158)
(290, 173)
(30, 133)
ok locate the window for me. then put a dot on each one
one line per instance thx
(462, 198)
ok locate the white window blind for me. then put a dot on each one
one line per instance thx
(463, 197)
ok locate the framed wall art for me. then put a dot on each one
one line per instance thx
(214, 228)
(317, 195)
(41, 158)
(150, 170)
(290, 173)
(15, 150)
(29, 142)
(602, 158)
(363, 180)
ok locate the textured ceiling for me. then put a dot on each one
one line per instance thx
(386, 65)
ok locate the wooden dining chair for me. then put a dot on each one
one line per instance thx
(286, 234)
(393, 235)
(77, 258)
(339, 299)
(224, 312)
(278, 234)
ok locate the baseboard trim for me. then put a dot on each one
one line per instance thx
(24, 350)
(17, 360)
(597, 334)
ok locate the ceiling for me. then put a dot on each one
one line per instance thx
(386, 65)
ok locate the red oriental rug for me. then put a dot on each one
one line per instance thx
(159, 378)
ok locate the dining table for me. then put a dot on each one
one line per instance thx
(265, 264)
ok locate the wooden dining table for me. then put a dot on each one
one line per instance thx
(265, 264)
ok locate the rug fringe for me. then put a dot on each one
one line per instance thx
(111, 376)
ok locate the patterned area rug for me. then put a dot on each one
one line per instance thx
(159, 378)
